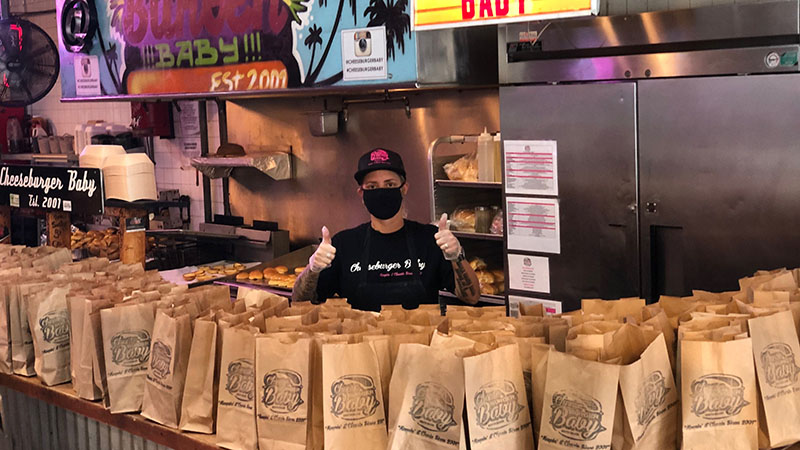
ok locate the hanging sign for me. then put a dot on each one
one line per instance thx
(436, 14)
(54, 188)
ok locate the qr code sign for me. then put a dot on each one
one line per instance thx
(67, 205)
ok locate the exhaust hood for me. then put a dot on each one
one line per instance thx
(715, 40)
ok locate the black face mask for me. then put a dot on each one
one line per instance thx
(383, 203)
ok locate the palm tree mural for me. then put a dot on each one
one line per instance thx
(310, 79)
(392, 15)
(312, 41)
(389, 13)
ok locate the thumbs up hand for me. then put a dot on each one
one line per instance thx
(446, 240)
(323, 257)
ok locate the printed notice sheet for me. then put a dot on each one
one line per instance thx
(533, 224)
(550, 306)
(531, 167)
(529, 273)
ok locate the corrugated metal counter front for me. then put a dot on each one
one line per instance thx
(38, 417)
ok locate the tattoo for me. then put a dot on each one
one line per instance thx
(305, 287)
(464, 286)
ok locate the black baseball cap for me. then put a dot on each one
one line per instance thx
(379, 159)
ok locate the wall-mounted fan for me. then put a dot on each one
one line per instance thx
(28, 62)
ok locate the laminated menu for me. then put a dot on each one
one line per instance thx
(580, 399)
(282, 384)
(166, 372)
(199, 395)
(236, 415)
(497, 406)
(426, 398)
(127, 332)
(650, 398)
(775, 349)
(352, 397)
(47, 312)
(718, 395)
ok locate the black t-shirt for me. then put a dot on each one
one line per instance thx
(388, 263)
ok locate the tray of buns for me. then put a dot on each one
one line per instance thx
(193, 275)
(280, 273)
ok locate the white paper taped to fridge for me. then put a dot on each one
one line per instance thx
(529, 273)
(534, 224)
(531, 167)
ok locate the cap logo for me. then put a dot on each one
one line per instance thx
(378, 157)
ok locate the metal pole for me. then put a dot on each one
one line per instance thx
(5, 9)
(204, 152)
(223, 139)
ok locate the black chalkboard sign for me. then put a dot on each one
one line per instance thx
(68, 189)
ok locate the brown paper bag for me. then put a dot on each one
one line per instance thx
(76, 306)
(199, 393)
(5, 331)
(82, 346)
(354, 414)
(166, 373)
(236, 416)
(47, 312)
(775, 349)
(22, 355)
(718, 395)
(426, 399)
(497, 407)
(316, 435)
(283, 381)
(650, 398)
(580, 400)
(539, 357)
(127, 332)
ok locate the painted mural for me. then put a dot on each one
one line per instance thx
(163, 47)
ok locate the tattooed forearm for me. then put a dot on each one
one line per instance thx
(467, 289)
(305, 287)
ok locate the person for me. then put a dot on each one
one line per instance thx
(388, 260)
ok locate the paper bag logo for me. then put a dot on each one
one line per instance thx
(282, 389)
(353, 397)
(160, 359)
(55, 327)
(717, 396)
(779, 365)
(497, 405)
(576, 416)
(130, 348)
(433, 407)
(241, 380)
(652, 394)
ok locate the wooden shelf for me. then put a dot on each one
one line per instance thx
(478, 236)
(470, 184)
(64, 397)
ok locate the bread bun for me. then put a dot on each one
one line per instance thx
(485, 277)
(299, 270)
(477, 264)
(231, 271)
(499, 276)
(256, 275)
(488, 289)
(282, 269)
(189, 276)
(242, 276)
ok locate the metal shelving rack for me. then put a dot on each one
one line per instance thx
(446, 195)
